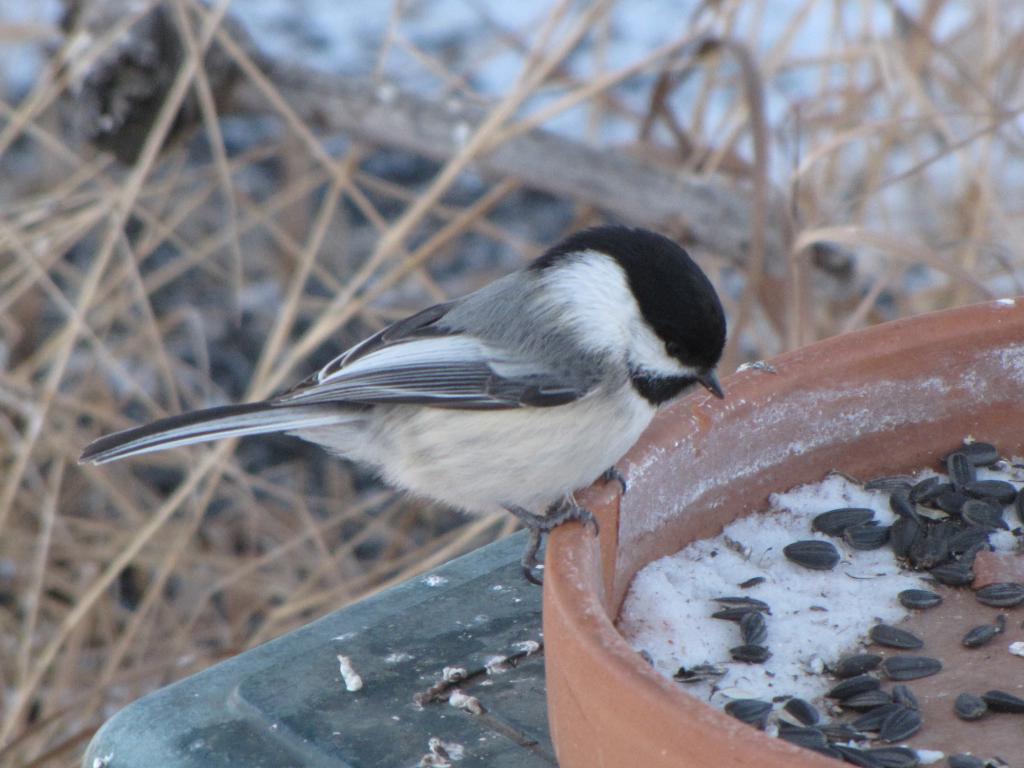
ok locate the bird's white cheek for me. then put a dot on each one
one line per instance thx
(648, 353)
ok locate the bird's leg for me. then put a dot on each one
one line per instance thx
(564, 511)
(612, 474)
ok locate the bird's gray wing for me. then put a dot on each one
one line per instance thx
(418, 360)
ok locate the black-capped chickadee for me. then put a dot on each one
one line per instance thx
(509, 398)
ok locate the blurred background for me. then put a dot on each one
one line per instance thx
(202, 202)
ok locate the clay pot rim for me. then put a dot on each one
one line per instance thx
(576, 562)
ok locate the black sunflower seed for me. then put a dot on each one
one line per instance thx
(855, 756)
(1018, 506)
(903, 507)
(866, 537)
(967, 538)
(979, 454)
(751, 711)
(1000, 623)
(754, 628)
(1001, 701)
(802, 710)
(965, 761)
(997, 490)
(900, 725)
(919, 598)
(833, 523)
(872, 719)
(753, 581)
(979, 636)
(980, 512)
(1003, 594)
(698, 673)
(901, 694)
(903, 533)
(895, 757)
(742, 601)
(960, 469)
(903, 668)
(894, 637)
(969, 707)
(952, 574)
(839, 731)
(855, 664)
(732, 614)
(921, 492)
(802, 736)
(813, 554)
(890, 483)
(751, 654)
(866, 701)
(931, 549)
(853, 686)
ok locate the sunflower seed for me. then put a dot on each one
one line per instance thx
(895, 757)
(742, 601)
(1000, 701)
(866, 537)
(868, 700)
(839, 731)
(802, 710)
(750, 711)
(872, 719)
(979, 454)
(698, 673)
(952, 574)
(751, 654)
(921, 493)
(965, 761)
(894, 637)
(890, 483)
(838, 520)
(902, 668)
(753, 581)
(1018, 506)
(919, 598)
(979, 512)
(979, 636)
(1000, 623)
(968, 537)
(855, 756)
(997, 490)
(813, 554)
(903, 533)
(969, 707)
(802, 736)
(732, 614)
(754, 628)
(960, 469)
(902, 506)
(856, 664)
(931, 549)
(853, 686)
(900, 725)
(1002, 594)
(901, 694)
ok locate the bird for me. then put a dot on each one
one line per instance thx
(511, 397)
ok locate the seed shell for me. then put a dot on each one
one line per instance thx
(1002, 594)
(1001, 701)
(813, 554)
(802, 736)
(751, 654)
(953, 574)
(840, 731)
(895, 757)
(853, 686)
(900, 725)
(903, 534)
(965, 761)
(866, 701)
(753, 581)
(968, 538)
(901, 694)
(866, 537)
(969, 707)
(903, 668)
(980, 512)
(894, 637)
(922, 492)
(903, 507)
(890, 483)
(979, 454)
(930, 549)
(802, 710)
(950, 500)
(751, 711)
(754, 628)
(979, 636)
(733, 613)
(836, 521)
(919, 598)
(872, 719)
(856, 664)
(855, 756)
(961, 470)
(997, 490)
(743, 601)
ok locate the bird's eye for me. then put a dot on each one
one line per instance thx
(672, 348)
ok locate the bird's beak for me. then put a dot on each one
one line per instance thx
(710, 382)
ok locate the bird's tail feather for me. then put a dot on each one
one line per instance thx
(209, 424)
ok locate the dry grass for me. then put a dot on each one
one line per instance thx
(224, 267)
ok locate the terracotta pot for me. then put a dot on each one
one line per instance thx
(888, 399)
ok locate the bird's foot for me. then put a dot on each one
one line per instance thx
(559, 513)
(612, 475)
